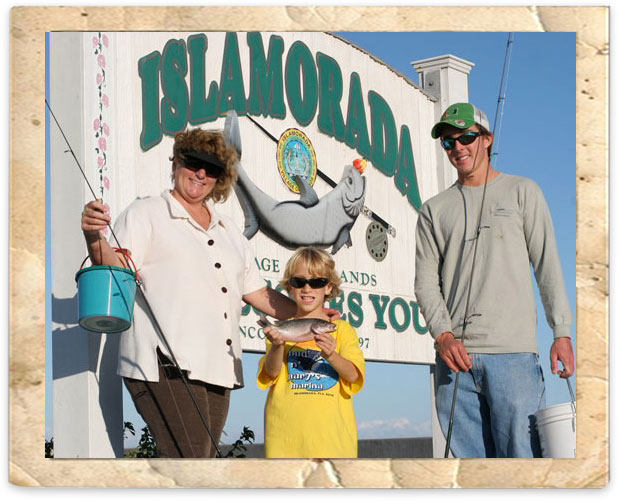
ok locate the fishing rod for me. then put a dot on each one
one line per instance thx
(498, 118)
(365, 210)
(150, 311)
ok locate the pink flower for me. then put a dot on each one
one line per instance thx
(106, 183)
(104, 231)
(99, 78)
(99, 162)
(105, 100)
(102, 143)
(95, 41)
(105, 40)
(101, 60)
(96, 124)
(106, 208)
(106, 129)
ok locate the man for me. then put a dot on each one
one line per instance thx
(475, 292)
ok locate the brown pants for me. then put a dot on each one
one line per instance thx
(171, 415)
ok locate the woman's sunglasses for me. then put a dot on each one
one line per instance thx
(209, 169)
(467, 138)
(196, 160)
(314, 283)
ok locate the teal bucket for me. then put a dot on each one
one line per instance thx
(105, 296)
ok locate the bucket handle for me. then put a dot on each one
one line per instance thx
(569, 386)
(124, 252)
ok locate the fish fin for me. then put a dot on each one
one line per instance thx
(252, 222)
(232, 132)
(263, 321)
(308, 196)
(342, 239)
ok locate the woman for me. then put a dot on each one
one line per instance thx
(195, 266)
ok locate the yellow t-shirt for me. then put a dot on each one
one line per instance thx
(308, 411)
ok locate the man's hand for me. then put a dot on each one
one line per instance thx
(453, 352)
(562, 350)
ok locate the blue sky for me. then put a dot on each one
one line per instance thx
(537, 141)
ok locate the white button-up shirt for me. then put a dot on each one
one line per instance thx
(194, 280)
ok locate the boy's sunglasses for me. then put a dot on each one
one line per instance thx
(314, 283)
(467, 138)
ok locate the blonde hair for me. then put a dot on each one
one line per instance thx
(210, 141)
(319, 263)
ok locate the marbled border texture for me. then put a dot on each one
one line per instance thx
(28, 467)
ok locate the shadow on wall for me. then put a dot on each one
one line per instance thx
(68, 337)
(77, 351)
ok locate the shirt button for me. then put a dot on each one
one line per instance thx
(211, 242)
(228, 342)
(224, 290)
(225, 315)
(217, 265)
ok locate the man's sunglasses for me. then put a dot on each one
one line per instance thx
(467, 138)
(314, 283)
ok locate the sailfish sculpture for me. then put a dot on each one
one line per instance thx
(310, 220)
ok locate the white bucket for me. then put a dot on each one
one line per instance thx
(556, 426)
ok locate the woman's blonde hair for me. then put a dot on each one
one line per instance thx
(210, 141)
(319, 263)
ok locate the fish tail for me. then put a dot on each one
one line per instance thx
(252, 222)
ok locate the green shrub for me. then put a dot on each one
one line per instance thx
(49, 448)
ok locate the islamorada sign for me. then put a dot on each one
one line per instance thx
(312, 108)
(177, 91)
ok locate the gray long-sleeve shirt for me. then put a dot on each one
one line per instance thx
(516, 233)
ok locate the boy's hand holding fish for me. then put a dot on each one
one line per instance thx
(273, 335)
(326, 343)
(273, 362)
(344, 367)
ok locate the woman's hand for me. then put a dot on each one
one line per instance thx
(332, 314)
(94, 218)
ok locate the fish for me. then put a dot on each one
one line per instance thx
(308, 221)
(299, 329)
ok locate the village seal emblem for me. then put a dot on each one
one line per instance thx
(296, 157)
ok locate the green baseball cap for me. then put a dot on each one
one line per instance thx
(461, 116)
